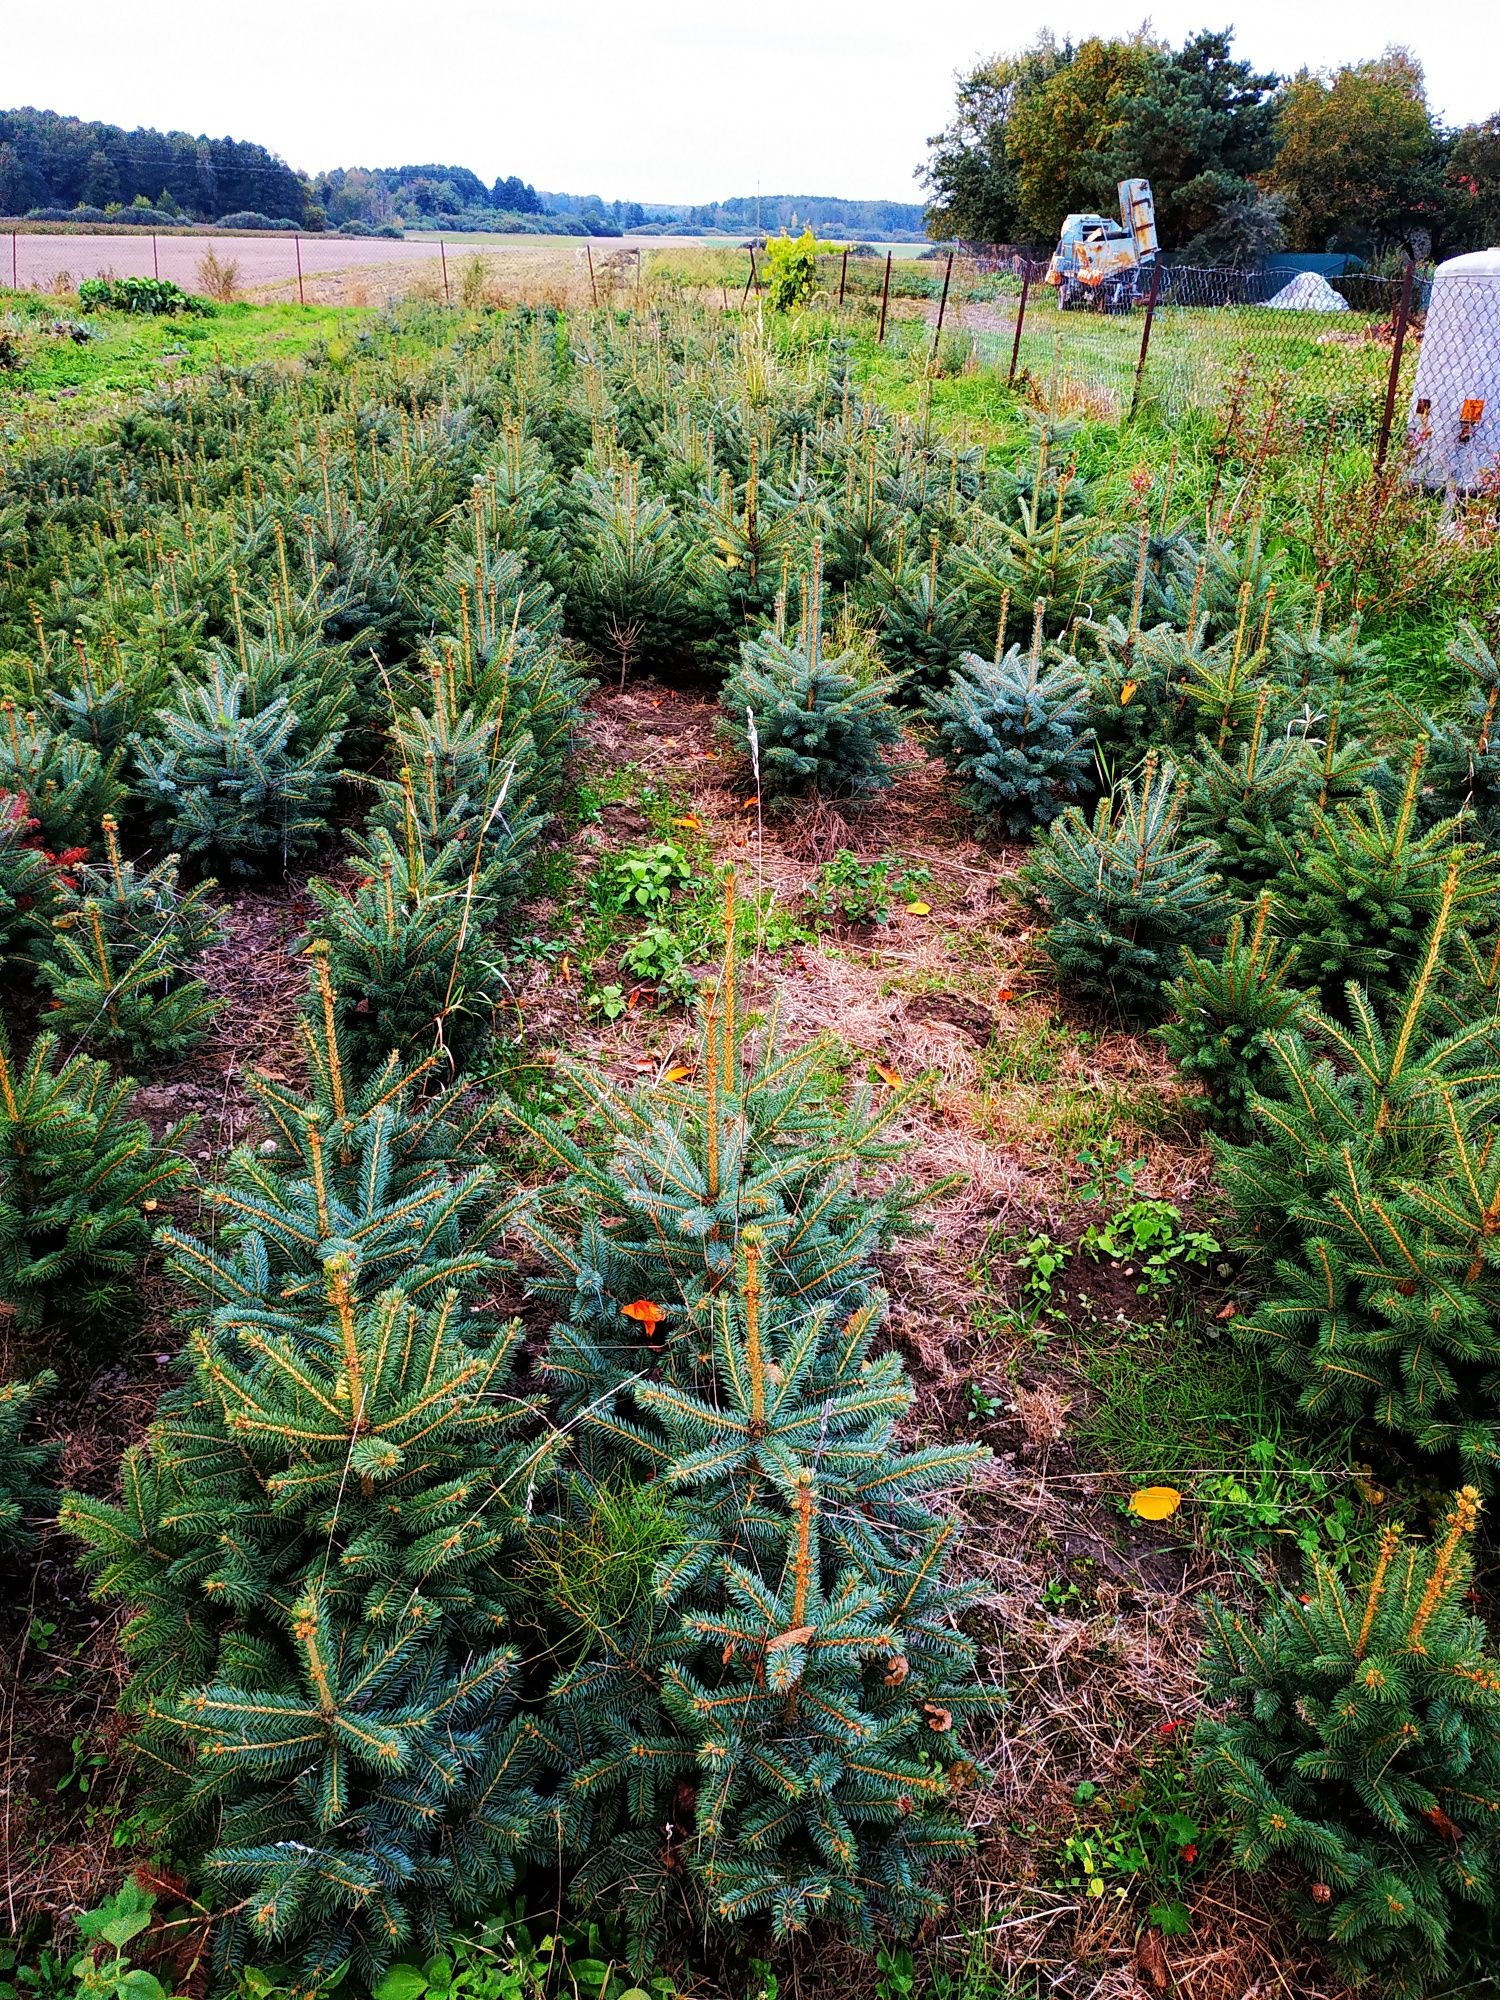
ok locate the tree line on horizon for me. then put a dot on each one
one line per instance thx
(1243, 162)
(56, 166)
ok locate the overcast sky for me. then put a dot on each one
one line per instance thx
(653, 100)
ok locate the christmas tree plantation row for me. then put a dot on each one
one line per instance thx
(678, 1607)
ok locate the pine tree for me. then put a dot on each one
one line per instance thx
(120, 961)
(750, 1728)
(68, 787)
(225, 784)
(24, 1496)
(1463, 757)
(317, 1548)
(375, 1164)
(628, 590)
(79, 1184)
(1226, 1008)
(925, 621)
(28, 880)
(1251, 804)
(805, 720)
(1126, 893)
(1363, 1750)
(1369, 1192)
(415, 943)
(1013, 729)
(1361, 889)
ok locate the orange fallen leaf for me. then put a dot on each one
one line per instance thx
(1003, 993)
(1127, 693)
(646, 1312)
(565, 970)
(938, 1718)
(888, 1075)
(797, 1636)
(1155, 1503)
(753, 800)
(677, 1073)
(1227, 1312)
(688, 820)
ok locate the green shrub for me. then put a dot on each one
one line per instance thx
(79, 1184)
(1362, 1754)
(1013, 730)
(1125, 894)
(804, 720)
(790, 270)
(153, 296)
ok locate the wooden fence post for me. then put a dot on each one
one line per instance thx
(1140, 366)
(1392, 380)
(155, 266)
(885, 293)
(13, 285)
(1015, 346)
(937, 331)
(443, 253)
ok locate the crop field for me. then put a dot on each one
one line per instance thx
(749, 1237)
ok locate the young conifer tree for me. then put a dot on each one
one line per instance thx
(80, 1182)
(24, 1495)
(120, 968)
(815, 725)
(317, 1551)
(1361, 1753)
(1126, 893)
(758, 1728)
(1226, 1005)
(1370, 1185)
(1013, 730)
(68, 787)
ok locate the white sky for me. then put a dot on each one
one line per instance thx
(653, 100)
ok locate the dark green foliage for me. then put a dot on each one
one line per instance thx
(1125, 894)
(1250, 804)
(28, 880)
(924, 622)
(772, 1693)
(79, 1183)
(1013, 730)
(24, 1496)
(1362, 1753)
(151, 296)
(317, 1549)
(224, 782)
(67, 786)
(1227, 1005)
(1360, 892)
(629, 586)
(1369, 1189)
(1463, 757)
(412, 950)
(1045, 555)
(120, 962)
(815, 726)
(375, 1163)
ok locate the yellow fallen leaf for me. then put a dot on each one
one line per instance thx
(677, 1073)
(919, 909)
(888, 1075)
(1127, 693)
(689, 820)
(1155, 1503)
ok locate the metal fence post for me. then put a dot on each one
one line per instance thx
(1140, 366)
(13, 285)
(443, 253)
(745, 294)
(1403, 316)
(1015, 346)
(885, 294)
(155, 266)
(301, 294)
(593, 288)
(843, 276)
(937, 331)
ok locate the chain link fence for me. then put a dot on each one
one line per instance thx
(1386, 364)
